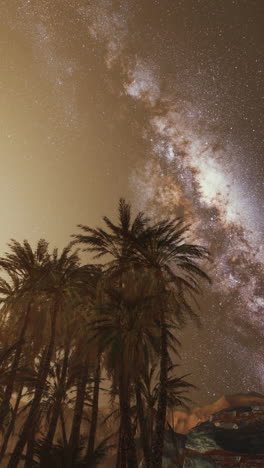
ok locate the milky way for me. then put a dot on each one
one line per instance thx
(194, 173)
(195, 166)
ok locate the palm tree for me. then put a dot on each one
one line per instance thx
(147, 392)
(172, 264)
(25, 268)
(88, 349)
(116, 241)
(161, 249)
(123, 327)
(61, 381)
(64, 276)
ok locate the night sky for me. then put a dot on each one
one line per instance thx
(160, 102)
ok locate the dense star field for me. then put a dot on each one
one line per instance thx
(160, 102)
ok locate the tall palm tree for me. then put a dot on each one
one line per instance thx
(115, 242)
(124, 328)
(147, 392)
(173, 265)
(64, 276)
(160, 250)
(61, 382)
(88, 350)
(25, 269)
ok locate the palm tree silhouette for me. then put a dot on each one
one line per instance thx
(64, 275)
(64, 326)
(160, 250)
(25, 268)
(172, 263)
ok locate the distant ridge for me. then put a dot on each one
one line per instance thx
(184, 421)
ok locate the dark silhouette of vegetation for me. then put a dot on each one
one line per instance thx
(68, 329)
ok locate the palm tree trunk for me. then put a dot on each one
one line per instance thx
(118, 449)
(30, 422)
(63, 428)
(11, 425)
(123, 456)
(95, 407)
(143, 428)
(10, 384)
(78, 409)
(151, 426)
(158, 443)
(121, 450)
(127, 432)
(30, 448)
(56, 409)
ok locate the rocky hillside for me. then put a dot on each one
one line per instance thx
(227, 433)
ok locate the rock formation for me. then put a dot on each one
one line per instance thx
(226, 433)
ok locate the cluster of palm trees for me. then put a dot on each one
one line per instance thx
(66, 326)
